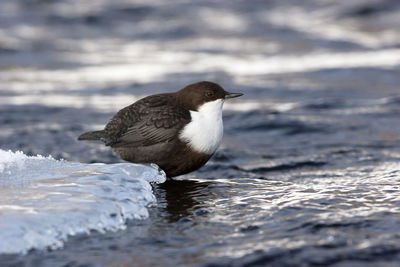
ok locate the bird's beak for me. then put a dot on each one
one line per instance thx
(232, 95)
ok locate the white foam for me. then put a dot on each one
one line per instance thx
(43, 200)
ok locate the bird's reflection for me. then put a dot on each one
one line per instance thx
(183, 197)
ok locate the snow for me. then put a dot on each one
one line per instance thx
(43, 200)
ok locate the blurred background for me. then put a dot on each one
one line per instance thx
(321, 108)
(67, 66)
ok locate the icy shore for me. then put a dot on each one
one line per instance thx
(43, 200)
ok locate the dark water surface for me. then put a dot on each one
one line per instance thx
(309, 169)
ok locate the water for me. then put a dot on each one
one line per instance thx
(308, 172)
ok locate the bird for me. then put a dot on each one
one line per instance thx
(178, 131)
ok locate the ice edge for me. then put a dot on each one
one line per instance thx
(44, 201)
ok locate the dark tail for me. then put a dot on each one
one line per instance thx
(95, 135)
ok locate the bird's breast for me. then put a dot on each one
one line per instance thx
(204, 132)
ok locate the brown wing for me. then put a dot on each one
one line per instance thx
(160, 125)
(148, 121)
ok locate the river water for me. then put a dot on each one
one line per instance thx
(309, 169)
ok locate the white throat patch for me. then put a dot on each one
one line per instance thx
(204, 132)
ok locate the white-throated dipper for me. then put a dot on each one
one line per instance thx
(178, 131)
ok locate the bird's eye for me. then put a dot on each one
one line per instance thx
(209, 94)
